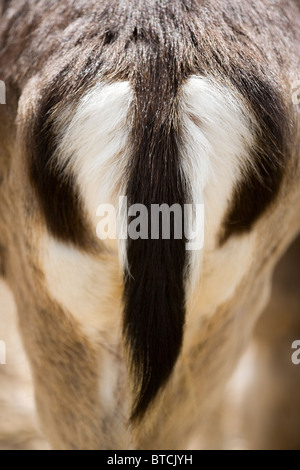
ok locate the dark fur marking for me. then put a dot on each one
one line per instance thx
(259, 189)
(56, 190)
(154, 295)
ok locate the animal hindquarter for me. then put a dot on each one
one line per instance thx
(154, 103)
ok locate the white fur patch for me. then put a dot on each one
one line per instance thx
(217, 136)
(94, 146)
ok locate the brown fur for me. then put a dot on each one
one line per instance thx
(64, 360)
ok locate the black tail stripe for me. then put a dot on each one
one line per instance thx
(154, 310)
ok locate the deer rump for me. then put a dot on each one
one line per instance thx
(145, 101)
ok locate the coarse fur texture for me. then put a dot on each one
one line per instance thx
(163, 102)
